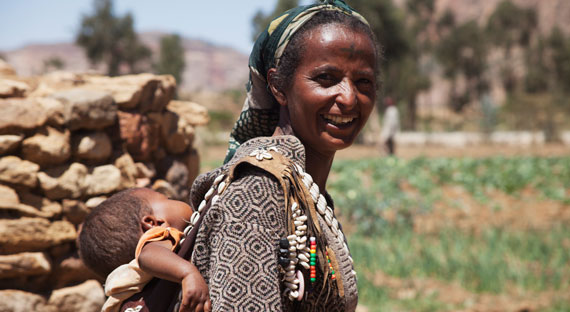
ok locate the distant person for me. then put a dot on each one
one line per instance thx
(390, 126)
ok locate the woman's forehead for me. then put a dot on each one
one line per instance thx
(338, 40)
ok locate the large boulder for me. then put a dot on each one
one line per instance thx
(12, 88)
(21, 301)
(33, 234)
(176, 174)
(16, 171)
(103, 180)
(145, 92)
(139, 134)
(54, 110)
(9, 143)
(24, 264)
(21, 114)
(86, 297)
(64, 182)
(47, 147)
(87, 109)
(94, 202)
(74, 211)
(92, 146)
(10, 205)
(70, 270)
(127, 91)
(192, 113)
(129, 171)
(56, 81)
(164, 93)
(48, 208)
(176, 134)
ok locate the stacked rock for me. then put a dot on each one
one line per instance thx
(67, 142)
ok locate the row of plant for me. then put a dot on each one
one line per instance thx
(366, 188)
(495, 260)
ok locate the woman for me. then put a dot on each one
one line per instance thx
(312, 87)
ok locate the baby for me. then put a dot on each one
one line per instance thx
(146, 225)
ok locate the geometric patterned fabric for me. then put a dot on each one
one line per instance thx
(236, 248)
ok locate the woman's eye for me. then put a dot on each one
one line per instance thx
(326, 79)
(364, 81)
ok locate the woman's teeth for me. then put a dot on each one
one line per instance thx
(337, 120)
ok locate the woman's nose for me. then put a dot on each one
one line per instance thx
(347, 94)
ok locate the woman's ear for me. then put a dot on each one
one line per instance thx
(150, 221)
(277, 94)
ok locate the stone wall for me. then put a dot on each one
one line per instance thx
(68, 141)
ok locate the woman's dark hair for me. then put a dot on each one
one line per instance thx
(110, 233)
(294, 51)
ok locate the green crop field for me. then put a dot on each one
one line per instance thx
(439, 234)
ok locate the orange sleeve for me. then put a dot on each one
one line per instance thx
(158, 233)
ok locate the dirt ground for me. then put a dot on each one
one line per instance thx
(407, 152)
(209, 153)
(454, 294)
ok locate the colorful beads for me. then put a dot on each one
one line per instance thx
(313, 259)
(333, 275)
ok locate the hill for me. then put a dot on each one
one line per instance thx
(209, 67)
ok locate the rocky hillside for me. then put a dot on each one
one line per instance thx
(208, 67)
(549, 12)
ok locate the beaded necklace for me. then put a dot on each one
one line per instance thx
(296, 246)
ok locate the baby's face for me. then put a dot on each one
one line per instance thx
(174, 213)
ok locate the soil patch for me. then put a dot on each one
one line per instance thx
(457, 208)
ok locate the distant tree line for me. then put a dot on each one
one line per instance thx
(111, 40)
(414, 41)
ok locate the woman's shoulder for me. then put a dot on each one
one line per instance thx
(287, 145)
(252, 152)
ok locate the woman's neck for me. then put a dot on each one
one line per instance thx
(317, 164)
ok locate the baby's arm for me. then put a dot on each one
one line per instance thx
(157, 259)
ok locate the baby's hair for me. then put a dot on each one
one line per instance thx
(110, 233)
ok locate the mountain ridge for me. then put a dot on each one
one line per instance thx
(209, 67)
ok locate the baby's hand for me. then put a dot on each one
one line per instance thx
(195, 297)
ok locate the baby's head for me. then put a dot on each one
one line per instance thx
(110, 233)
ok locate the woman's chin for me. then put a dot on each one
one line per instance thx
(340, 137)
(336, 143)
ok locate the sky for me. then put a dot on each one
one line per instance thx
(222, 22)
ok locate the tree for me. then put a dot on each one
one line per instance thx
(401, 76)
(111, 39)
(508, 26)
(559, 46)
(171, 59)
(464, 52)
(53, 62)
(261, 20)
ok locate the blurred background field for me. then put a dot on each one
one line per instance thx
(440, 234)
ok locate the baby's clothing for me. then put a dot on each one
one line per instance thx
(129, 279)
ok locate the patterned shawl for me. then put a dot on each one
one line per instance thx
(260, 113)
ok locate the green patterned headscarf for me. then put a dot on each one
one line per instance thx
(260, 113)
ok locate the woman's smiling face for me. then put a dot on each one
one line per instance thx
(333, 89)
